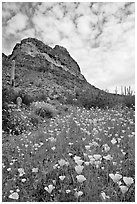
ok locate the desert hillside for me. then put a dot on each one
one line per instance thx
(63, 140)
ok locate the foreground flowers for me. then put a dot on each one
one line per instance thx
(50, 188)
(21, 172)
(115, 177)
(79, 169)
(14, 195)
(80, 178)
(128, 181)
(78, 194)
(62, 177)
(123, 189)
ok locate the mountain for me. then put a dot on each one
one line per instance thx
(43, 73)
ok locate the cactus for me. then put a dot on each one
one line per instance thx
(116, 90)
(122, 93)
(127, 91)
(13, 73)
(19, 102)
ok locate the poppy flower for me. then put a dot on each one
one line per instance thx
(50, 188)
(62, 177)
(79, 169)
(14, 195)
(81, 178)
(77, 194)
(115, 177)
(123, 189)
(128, 181)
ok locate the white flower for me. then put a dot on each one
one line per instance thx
(50, 188)
(87, 163)
(52, 139)
(97, 163)
(114, 163)
(77, 157)
(90, 157)
(104, 196)
(70, 143)
(108, 157)
(21, 171)
(97, 156)
(53, 148)
(128, 181)
(106, 147)
(124, 189)
(77, 194)
(80, 178)
(79, 169)
(55, 166)
(14, 195)
(23, 180)
(35, 170)
(115, 177)
(9, 169)
(62, 162)
(113, 141)
(79, 162)
(87, 147)
(62, 177)
(54, 182)
(68, 191)
(92, 161)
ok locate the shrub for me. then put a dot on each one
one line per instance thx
(129, 101)
(43, 109)
(12, 121)
(8, 95)
(34, 119)
(26, 98)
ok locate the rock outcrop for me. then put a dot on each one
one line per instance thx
(57, 57)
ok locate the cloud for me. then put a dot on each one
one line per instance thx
(99, 36)
(16, 23)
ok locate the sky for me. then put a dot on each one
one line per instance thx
(100, 36)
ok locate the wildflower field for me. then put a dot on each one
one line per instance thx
(79, 156)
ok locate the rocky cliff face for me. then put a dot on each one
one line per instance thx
(57, 57)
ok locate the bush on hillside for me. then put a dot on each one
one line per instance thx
(129, 101)
(26, 98)
(43, 109)
(13, 121)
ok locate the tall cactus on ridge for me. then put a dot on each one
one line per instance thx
(13, 73)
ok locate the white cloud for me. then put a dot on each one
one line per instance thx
(83, 24)
(16, 23)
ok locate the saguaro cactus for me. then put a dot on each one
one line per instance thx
(13, 73)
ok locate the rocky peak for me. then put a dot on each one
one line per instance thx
(57, 56)
(60, 49)
(4, 57)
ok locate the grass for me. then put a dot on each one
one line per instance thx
(83, 155)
